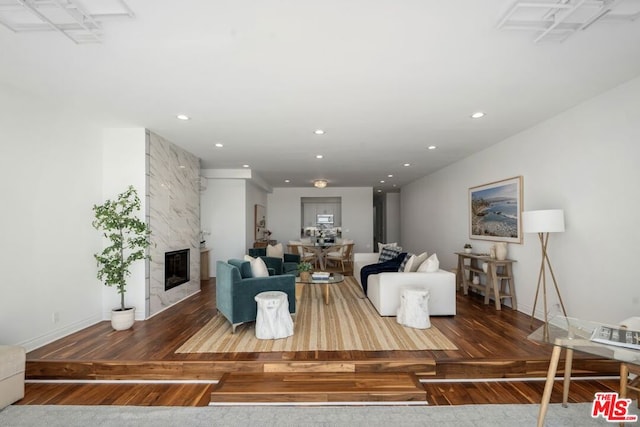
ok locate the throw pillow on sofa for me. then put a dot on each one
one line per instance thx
(430, 265)
(404, 262)
(415, 262)
(276, 251)
(381, 246)
(389, 253)
(258, 267)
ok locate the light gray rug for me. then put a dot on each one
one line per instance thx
(577, 414)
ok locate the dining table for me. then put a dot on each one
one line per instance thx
(320, 250)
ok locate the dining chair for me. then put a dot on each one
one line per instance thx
(340, 253)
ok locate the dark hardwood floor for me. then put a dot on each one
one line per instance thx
(494, 363)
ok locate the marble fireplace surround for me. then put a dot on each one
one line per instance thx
(173, 214)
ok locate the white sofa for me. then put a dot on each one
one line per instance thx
(12, 367)
(383, 289)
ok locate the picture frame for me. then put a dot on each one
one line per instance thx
(260, 221)
(495, 211)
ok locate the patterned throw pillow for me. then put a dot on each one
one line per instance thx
(389, 253)
(404, 262)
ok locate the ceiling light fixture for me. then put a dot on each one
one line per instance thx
(431, 147)
(287, 181)
(245, 166)
(219, 145)
(319, 156)
(407, 165)
(382, 181)
(318, 132)
(320, 183)
(477, 115)
(390, 175)
(183, 117)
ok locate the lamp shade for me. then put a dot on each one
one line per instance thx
(545, 221)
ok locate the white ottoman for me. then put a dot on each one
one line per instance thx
(12, 365)
(273, 319)
(414, 308)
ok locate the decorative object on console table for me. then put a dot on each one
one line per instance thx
(128, 236)
(501, 251)
(544, 222)
(494, 211)
(467, 248)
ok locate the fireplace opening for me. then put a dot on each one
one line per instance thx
(176, 268)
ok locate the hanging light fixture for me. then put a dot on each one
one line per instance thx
(320, 183)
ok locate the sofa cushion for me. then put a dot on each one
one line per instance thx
(413, 264)
(404, 262)
(389, 252)
(430, 265)
(258, 267)
(275, 251)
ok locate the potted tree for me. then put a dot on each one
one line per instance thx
(128, 241)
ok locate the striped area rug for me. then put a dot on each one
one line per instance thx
(347, 323)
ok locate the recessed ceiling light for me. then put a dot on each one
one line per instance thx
(477, 115)
(394, 185)
(219, 145)
(182, 167)
(432, 147)
(407, 164)
(319, 156)
(379, 191)
(287, 180)
(318, 132)
(382, 181)
(245, 166)
(390, 175)
(183, 117)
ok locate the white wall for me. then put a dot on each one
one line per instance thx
(584, 161)
(124, 160)
(223, 213)
(284, 219)
(50, 178)
(392, 217)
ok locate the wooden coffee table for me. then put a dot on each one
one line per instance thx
(333, 278)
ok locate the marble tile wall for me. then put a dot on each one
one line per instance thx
(174, 217)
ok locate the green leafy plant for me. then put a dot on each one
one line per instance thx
(128, 237)
(305, 266)
(467, 246)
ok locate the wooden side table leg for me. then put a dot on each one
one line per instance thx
(567, 376)
(493, 277)
(624, 376)
(548, 385)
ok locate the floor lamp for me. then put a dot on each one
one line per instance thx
(544, 222)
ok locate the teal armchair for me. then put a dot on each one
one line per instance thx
(286, 265)
(236, 289)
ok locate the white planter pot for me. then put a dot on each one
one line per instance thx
(123, 320)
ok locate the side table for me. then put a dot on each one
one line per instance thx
(414, 308)
(499, 279)
(273, 319)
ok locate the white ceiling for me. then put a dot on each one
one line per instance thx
(384, 79)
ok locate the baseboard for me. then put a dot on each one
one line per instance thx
(58, 333)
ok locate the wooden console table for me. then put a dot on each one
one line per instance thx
(499, 280)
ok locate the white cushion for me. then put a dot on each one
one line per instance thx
(414, 262)
(430, 265)
(275, 251)
(382, 245)
(258, 267)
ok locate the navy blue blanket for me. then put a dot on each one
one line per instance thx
(381, 267)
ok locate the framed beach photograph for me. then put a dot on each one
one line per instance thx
(495, 211)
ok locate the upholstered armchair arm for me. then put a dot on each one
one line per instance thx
(273, 263)
(292, 258)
